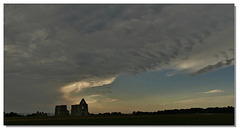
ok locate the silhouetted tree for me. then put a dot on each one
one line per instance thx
(12, 114)
(38, 114)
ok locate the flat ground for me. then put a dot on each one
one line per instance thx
(165, 119)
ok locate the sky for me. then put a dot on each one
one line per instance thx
(119, 58)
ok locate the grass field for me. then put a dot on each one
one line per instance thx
(165, 119)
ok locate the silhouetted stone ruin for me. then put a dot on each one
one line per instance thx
(61, 110)
(77, 110)
(80, 110)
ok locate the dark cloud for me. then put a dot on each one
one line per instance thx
(62, 44)
(214, 67)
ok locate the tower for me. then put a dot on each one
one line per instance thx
(81, 109)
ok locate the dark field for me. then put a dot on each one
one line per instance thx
(164, 119)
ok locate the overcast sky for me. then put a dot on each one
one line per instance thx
(118, 57)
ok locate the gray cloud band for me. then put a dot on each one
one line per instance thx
(214, 67)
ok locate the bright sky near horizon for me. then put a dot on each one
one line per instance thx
(120, 58)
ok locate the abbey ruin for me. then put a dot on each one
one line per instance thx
(61, 110)
(77, 110)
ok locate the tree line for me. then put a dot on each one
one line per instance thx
(228, 109)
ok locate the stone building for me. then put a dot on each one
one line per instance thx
(61, 110)
(81, 109)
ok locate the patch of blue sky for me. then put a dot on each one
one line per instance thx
(157, 82)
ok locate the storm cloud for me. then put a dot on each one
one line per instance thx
(53, 51)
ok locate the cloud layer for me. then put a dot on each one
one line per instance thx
(49, 47)
(213, 91)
